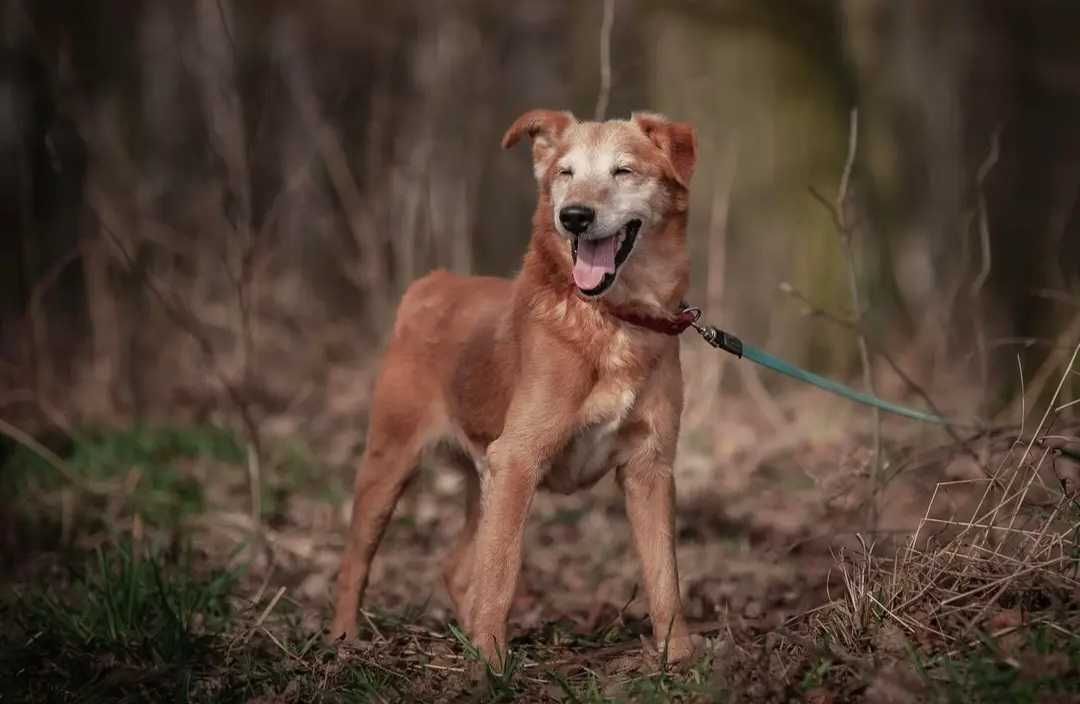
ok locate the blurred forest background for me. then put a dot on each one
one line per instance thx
(211, 208)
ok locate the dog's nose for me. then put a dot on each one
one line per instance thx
(577, 218)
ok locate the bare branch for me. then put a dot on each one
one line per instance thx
(849, 164)
(178, 312)
(986, 259)
(39, 341)
(27, 440)
(604, 95)
(846, 233)
(813, 310)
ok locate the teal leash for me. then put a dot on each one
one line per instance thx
(732, 344)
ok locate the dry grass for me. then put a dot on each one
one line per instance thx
(965, 581)
(788, 606)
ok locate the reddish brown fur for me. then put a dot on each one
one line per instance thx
(508, 376)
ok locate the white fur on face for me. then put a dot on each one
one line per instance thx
(594, 155)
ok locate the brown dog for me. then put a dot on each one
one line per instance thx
(540, 380)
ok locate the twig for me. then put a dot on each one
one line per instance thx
(1031, 442)
(846, 237)
(986, 260)
(281, 646)
(55, 461)
(371, 623)
(1059, 296)
(812, 309)
(265, 612)
(994, 635)
(984, 225)
(845, 177)
(442, 668)
(223, 107)
(1003, 580)
(254, 472)
(329, 146)
(39, 341)
(824, 649)
(604, 95)
(1050, 405)
(715, 280)
(1023, 400)
(184, 319)
(1044, 373)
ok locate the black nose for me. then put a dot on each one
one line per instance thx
(577, 218)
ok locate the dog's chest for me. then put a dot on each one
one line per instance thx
(593, 450)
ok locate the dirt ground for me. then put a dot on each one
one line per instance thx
(776, 513)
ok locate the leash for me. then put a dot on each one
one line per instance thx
(690, 317)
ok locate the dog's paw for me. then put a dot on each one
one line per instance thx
(340, 633)
(676, 653)
(681, 651)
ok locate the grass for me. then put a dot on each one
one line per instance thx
(978, 605)
(981, 601)
(1041, 664)
(155, 473)
(125, 626)
(110, 617)
(145, 464)
(121, 627)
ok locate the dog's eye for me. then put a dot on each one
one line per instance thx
(622, 171)
(565, 171)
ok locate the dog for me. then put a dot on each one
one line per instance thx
(548, 380)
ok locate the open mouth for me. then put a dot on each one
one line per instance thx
(597, 262)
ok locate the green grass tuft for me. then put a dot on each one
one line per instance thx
(1042, 665)
(144, 462)
(124, 628)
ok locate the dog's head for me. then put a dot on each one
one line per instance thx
(610, 186)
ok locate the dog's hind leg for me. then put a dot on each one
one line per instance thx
(395, 441)
(457, 570)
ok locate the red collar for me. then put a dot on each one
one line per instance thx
(674, 325)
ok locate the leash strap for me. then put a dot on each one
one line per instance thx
(690, 316)
(778, 365)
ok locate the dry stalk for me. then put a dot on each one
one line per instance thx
(370, 275)
(986, 257)
(943, 591)
(223, 107)
(1045, 373)
(845, 229)
(40, 343)
(1038, 430)
(186, 321)
(714, 283)
(604, 95)
(813, 310)
(27, 440)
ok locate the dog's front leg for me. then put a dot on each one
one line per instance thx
(649, 486)
(539, 421)
(508, 492)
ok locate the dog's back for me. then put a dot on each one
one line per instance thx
(452, 343)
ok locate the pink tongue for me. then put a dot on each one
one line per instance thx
(594, 259)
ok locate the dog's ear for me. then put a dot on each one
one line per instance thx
(675, 139)
(544, 127)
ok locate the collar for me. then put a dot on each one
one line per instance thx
(667, 325)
